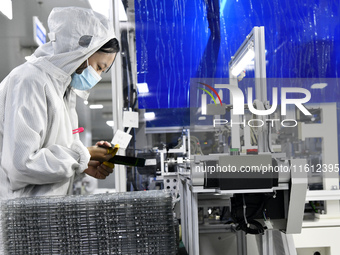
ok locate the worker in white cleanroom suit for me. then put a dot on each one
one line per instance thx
(39, 154)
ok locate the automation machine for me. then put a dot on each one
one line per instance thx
(242, 174)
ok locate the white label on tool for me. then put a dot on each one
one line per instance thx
(130, 119)
(150, 162)
(121, 138)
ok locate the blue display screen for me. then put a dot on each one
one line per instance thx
(180, 40)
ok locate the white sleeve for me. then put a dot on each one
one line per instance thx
(25, 159)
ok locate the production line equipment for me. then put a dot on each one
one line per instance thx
(234, 194)
(235, 199)
(245, 194)
(252, 193)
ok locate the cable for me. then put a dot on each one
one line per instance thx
(264, 216)
(248, 224)
(195, 146)
(313, 206)
(269, 138)
(253, 134)
(244, 210)
(255, 230)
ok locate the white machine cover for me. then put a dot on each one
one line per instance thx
(39, 155)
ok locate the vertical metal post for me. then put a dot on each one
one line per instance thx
(162, 162)
(189, 217)
(189, 149)
(288, 243)
(260, 81)
(235, 129)
(195, 228)
(117, 97)
(184, 219)
(260, 64)
(241, 243)
(267, 243)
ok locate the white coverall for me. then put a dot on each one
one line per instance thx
(39, 155)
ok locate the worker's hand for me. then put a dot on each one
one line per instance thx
(104, 144)
(102, 151)
(98, 170)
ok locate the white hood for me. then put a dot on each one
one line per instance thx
(75, 34)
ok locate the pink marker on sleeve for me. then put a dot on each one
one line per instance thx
(78, 130)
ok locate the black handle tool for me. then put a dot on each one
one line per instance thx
(128, 161)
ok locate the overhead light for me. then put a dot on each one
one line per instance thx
(96, 106)
(86, 102)
(142, 88)
(149, 116)
(246, 57)
(6, 8)
(319, 85)
(102, 7)
(122, 12)
(110, 123)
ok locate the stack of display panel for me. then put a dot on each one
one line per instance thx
(117, 223)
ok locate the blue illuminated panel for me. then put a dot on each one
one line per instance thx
(180, 40)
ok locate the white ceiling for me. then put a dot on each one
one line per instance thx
(16, 41)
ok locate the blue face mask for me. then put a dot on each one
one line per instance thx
(86, 80)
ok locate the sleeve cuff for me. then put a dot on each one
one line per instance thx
(84, 156)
